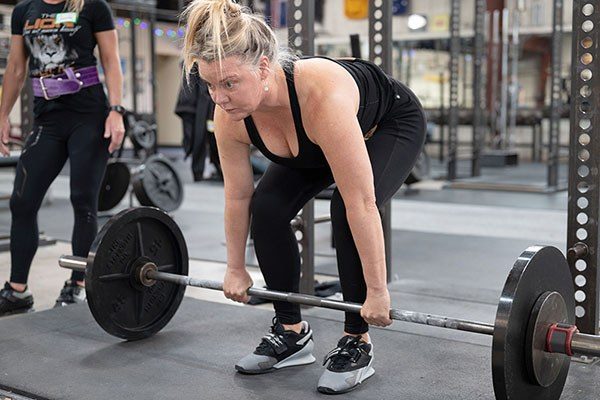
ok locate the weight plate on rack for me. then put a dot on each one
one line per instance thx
(156, 183)
(114, 185)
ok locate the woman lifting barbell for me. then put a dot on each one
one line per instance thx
(71, 120)
(320, 121)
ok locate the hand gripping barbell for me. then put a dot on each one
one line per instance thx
(136, 275)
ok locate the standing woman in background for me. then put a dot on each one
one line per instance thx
(73, 118)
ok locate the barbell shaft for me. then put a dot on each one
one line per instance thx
(580, 343)
(79, 264)
(297, 298)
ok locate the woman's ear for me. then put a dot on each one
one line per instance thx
(264, 66)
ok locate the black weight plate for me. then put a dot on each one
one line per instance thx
(538, 270)
(119, 305)
(114, 185)
(143, 135)
(157, 184)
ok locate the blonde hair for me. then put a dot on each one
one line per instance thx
(75, 5)
(217, 29)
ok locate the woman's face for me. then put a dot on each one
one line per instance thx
(234, 86)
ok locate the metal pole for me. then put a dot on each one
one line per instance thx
(301, 37)
(453, 115)
(153, 63)
(504, 83)
(584, 158)
(133, 53)
(514, 77)
(307, 252)
(478, 84)
(380, 53)
(494, 74)
(443, 120)
(555, 97)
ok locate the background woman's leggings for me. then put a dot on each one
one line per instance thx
(57, 136)
(283, 191)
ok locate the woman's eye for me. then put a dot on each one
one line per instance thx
(229, 85)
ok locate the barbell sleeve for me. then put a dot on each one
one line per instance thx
(71, 262)
(585, 344)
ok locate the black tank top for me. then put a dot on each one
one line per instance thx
(376, 96)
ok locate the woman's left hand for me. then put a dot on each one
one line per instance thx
(114, 129)
(376, 308)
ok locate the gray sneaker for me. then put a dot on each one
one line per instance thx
(347, 366)
(71, 293)
(13, 302)
(279, 349)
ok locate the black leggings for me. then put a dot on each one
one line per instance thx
(55, 137)
(283, 191)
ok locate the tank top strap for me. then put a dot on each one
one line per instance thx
(295, 105)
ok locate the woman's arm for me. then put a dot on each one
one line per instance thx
(14, 77)
(108, 46)
(234, 156)
(239, 187)
(333, 125)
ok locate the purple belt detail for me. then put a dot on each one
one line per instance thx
(72, 81)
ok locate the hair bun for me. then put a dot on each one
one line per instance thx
(233, 10)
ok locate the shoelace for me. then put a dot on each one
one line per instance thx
(272, 340)
(341, 356)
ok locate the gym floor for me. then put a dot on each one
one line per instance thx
(452, 251)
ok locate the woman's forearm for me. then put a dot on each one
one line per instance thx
(237, 222)
(14, 78)
(114, 80)
(367, 231)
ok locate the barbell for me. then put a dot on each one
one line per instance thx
(136, 275)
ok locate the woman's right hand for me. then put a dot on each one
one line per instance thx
(4, 136)
(236, 284)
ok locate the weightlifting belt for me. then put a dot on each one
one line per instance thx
(71, 81)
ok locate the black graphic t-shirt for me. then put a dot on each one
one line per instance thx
(56, 39)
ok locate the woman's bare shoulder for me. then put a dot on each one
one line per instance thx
(229, 129)
(319, 78)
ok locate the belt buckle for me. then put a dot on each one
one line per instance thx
(45, 91)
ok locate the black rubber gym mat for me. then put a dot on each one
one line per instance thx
(444, 258)
(62, 354)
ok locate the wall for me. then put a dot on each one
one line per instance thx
(168, 79)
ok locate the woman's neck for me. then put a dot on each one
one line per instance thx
(276, 97)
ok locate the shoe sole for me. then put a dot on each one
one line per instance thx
(325, 390)
(302, 357)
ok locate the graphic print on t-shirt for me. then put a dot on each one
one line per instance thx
(49, 50)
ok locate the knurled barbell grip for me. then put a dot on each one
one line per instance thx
(298, 298)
